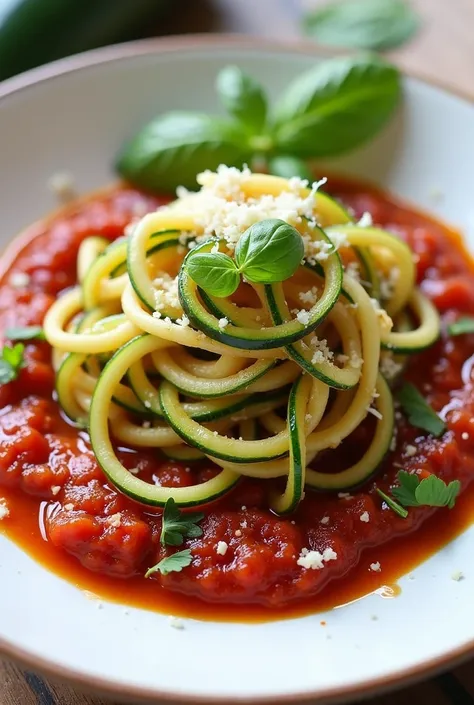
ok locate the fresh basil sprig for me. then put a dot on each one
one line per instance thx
(335, 107)
(267, 252)
(243, 98)
(332, 108)
(362, 24)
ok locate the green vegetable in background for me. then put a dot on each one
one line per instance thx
(362, 24)
(33, 32)
(330, 109)
(267, 252)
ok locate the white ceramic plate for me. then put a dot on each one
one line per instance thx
(75, 115)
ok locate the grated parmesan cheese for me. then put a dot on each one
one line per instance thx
(55, 489)
(410, 450)
(314, 560)
(324, 520)
(365, 221)
(183, 321)
(303, 317)
(365, 517)
(321, 350)
(388, 367)
(69, 507)
(223, 323)
(114, 520)
(221, 548)
(18, 280)
(457, 575)
(238, 533)
(465, 436)
(375, 567)
(309, 297)
(176, 623)
(4, 510)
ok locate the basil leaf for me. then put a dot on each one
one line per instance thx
(214, 272)
(174, 147)
(419, 412)
(172, 564)
(25, 333)
(394, 506)
(363, 24)
(287, 166)
(461, 326)
(336, 106)
(242, 97)
(269, 251)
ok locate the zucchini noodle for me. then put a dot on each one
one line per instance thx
(263, 383)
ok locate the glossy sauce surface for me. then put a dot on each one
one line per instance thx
(61, 508)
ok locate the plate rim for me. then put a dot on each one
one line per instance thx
(106, 686)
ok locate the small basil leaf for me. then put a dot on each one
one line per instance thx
(214, 272)
(242, 97)
(287, 166)
(363, 24)
(269, 251)
(336, 106)
(173, 148)
(25, 333)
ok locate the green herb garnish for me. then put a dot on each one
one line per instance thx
(25, 333)
(243, 98)
(267, 252)
(363, 24)
(11, 362)
(328, 110)
(172, 564)
(394, 506)
(461, 326)
(430, 492)
(419, 412)
(177, 526)
(286, 166)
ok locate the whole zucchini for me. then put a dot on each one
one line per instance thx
(33, 32)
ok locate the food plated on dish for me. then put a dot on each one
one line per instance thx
(240, 401)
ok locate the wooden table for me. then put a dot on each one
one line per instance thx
(444, 51)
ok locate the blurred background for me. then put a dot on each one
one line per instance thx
(433, 37)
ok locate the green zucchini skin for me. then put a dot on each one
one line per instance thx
(33, 32)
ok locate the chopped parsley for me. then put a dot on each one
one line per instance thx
(463, 325)
(11, 362)
(172, 564)
(419, 412)
(177, 526)
(432, 491)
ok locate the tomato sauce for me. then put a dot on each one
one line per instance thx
(64, 513)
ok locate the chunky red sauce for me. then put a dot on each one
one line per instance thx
(46, 464)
